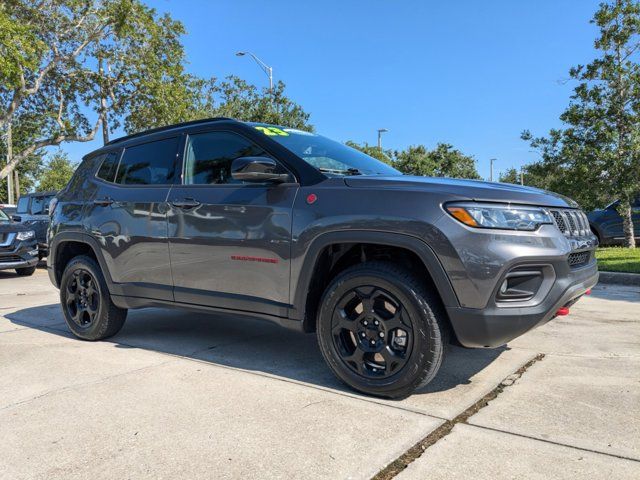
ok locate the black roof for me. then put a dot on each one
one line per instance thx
(168, 127)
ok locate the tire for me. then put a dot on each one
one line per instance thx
(86, 302)
(26, 271)
(388, 314)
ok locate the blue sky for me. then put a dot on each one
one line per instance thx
(467, 72)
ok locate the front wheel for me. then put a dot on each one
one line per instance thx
(381, 330)
(86, 302)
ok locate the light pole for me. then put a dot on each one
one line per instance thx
(265, 68)
(380, 132)
(491, 169)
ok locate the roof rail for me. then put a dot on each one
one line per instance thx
(167, 127)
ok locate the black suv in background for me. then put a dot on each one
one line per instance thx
(18, 249)
(606, 223)
(292, 227)
(33, 210)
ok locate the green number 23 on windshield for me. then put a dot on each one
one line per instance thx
(272, 131)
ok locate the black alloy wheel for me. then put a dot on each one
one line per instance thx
(371, 331)
(83, 298)
(382, 329)
(86, 303)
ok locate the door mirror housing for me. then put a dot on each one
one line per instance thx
(257, 170)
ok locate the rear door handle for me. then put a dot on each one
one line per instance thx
(185, 203)
(103, 202)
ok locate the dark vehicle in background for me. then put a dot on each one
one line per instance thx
(8, 208)
(281, 224)
(33, 210)
(606, 223)
(18, 248)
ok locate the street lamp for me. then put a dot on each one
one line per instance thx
(491, 169)
(380, 132)
(265, 68)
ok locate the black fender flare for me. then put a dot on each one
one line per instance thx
(77, 237)
(408, 242)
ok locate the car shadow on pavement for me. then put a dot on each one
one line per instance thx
(244, 343)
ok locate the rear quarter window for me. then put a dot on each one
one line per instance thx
(151, 163)
(108, 166)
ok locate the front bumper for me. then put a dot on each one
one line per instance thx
(494, 325)
(22, 255)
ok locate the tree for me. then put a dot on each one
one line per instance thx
(443, 161)
(79, 65)
(235, 98)
(596, 155)
(23, 132)
(57, 173)
(385, 156)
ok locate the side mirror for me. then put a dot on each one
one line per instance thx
(257, 169)
(16, 218)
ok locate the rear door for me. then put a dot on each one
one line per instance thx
(128, 217)
(230, 241)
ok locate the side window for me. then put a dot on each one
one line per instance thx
(37, 205)
(151, 163)
(208, 157)
(107, 170)
(23, 205)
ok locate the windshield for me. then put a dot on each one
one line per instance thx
(326, 155)
(3, 217)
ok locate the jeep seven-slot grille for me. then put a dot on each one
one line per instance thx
(572, 223)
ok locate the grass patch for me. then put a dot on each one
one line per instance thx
(618, 259)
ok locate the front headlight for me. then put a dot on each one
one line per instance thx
(26, 235)
(502, 216)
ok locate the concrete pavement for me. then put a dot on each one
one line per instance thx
(184, 395)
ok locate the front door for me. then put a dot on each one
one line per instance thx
(230, 241)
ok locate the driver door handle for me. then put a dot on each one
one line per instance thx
(185, 203)
(103, 202)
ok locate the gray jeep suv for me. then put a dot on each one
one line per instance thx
(289, 226)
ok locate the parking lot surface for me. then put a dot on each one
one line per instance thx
(188, 395)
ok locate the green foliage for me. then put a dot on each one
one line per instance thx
(595, 157)
(385, 156)
(24, 132)
(235, 98)
(57, 172)
(19, 45)
(443, 161)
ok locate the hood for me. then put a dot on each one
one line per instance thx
(11, 226)
(476, 190)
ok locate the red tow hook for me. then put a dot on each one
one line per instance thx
(562, 311)
(588, 292)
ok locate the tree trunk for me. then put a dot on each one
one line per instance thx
(627, 224)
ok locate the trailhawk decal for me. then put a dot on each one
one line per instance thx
(246, 258)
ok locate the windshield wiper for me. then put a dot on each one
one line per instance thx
(337, 171)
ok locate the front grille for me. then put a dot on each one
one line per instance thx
(10, 259)
(578, 259)
(572, 223)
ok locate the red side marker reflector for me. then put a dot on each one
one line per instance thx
(588, 292)
(311, 198)
(562, 311)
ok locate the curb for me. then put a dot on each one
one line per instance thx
(619, 278)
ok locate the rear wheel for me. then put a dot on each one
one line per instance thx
(26, 271)
(86, 302)
(380, 330)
